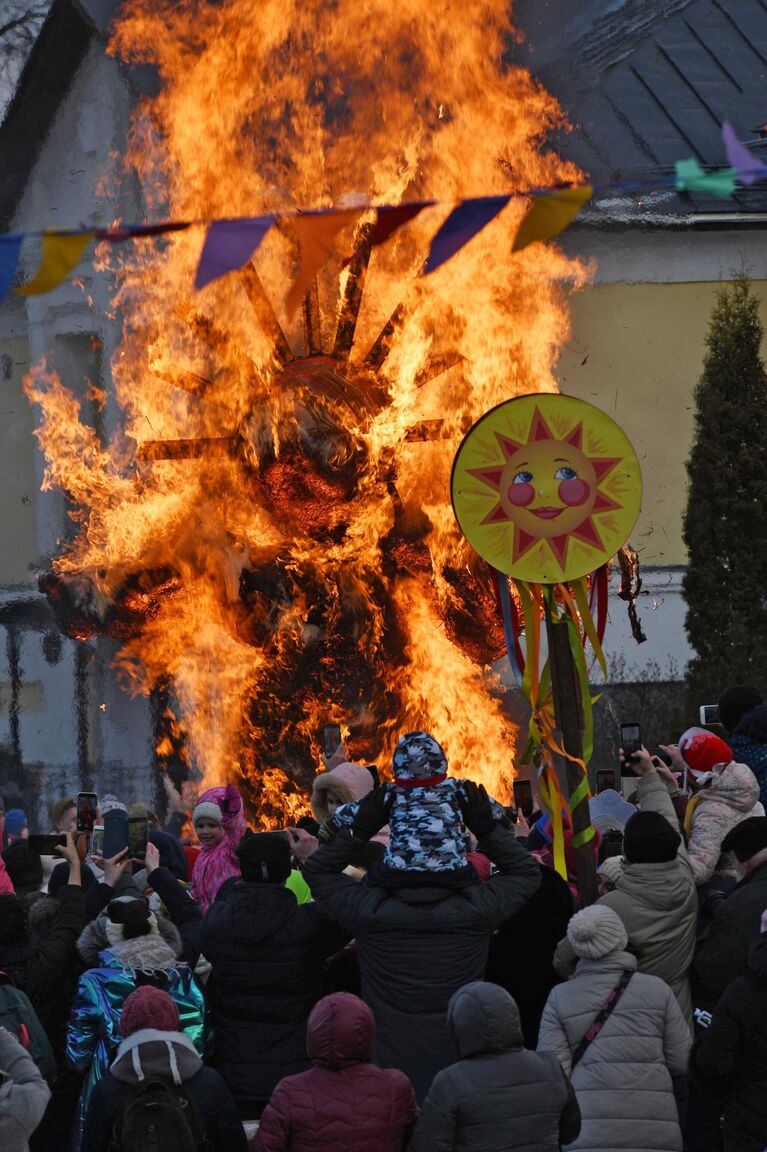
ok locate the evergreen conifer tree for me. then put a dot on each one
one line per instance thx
(725, 522)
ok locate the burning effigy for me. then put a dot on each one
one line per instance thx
(270, 533)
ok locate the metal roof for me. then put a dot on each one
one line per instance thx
(648, 82)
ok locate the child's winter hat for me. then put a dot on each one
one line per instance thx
(207, 810)
(702, 751)
(110, 803)
(15, 822)
(149, 1007)
(419, 758)
(596, 932)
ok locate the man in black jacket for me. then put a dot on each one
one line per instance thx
(266, 953)
(722, 952)
(418, 945)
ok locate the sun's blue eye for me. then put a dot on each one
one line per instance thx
(523, 478)
(566, 473)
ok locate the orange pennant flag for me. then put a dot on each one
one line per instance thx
(316, 234)
(61, 253)
(550, 214)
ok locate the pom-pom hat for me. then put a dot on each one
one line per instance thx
(596, 932)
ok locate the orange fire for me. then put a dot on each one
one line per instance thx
(272, 535)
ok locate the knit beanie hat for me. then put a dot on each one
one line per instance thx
(24, 868)
(735, 703)
(746, 838)
(264, 857)
(702, 750)
(59, 807)
(110, 803)
(611, 869)
(139, 809)
(149, 1007)
(420, 758)
(596, 932)
(207, 811)
(650, 839)
(15, 822)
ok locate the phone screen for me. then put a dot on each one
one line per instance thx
(87, 802)
(115, 836)
(631, 739)
(709, 713)
(46, 845)
(97, 840)
(137, 836)
(605, 779)
(523, 797)
(331, 739)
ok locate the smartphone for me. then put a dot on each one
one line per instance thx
(523, 797)
(605, 779)
(631, 739)
(46, 845)
(115, 837)
(709, 714)
(87, 803)
(138, 836)
(97, 840)
(331, 739)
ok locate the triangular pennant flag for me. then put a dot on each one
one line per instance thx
(389, 219)
(550, 214)
(690, 177)
(10, 246)
(316, 234)
(229, 244)
(749, 168)
(61, 253)
(463, 223)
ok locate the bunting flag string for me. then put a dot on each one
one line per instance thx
(230, 243)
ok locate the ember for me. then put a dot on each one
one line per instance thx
(271, 534)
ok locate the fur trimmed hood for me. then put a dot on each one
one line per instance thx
(347, 782)
(160, 949)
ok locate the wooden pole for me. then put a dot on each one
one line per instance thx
(568, 712)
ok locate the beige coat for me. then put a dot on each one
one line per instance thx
(623, 1082)
(658, 905)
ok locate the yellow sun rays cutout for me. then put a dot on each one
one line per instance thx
(546, 488)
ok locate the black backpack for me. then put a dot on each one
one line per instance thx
(159, 1117)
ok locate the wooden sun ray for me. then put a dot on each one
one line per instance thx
(355, 287)
(265, 314)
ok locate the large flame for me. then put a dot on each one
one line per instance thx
(291, 558)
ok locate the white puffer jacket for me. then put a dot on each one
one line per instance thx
(623, 1082)
(732, 796)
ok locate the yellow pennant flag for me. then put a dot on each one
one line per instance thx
(61, 253)
(316, 235)
(550, 214)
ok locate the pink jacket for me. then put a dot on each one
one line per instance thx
(217, 864)
(6, 887)
(344, 1101)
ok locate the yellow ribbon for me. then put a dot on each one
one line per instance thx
(61, 254)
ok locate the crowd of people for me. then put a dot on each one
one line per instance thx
(406, 969)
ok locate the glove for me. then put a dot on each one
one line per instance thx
(373, 813)
(231, 802)
(477, 809)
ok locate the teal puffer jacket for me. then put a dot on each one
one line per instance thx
(94, 1028)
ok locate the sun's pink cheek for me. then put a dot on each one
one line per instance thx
(574, 492)
(520, 495)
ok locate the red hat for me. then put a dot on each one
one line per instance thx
(702, 750)
(149, 1007)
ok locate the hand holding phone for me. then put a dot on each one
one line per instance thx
(138, 837)
(331, 739)
(523, 797)
(46, 845)
(605, 779)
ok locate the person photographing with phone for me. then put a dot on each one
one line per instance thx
(654, 893)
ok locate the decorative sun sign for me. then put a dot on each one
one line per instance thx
(546, 488)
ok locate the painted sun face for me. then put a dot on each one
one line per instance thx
(560, 495)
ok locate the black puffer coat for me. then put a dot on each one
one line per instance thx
(729, 1060)
(499, 1097)
(721, 954)
(266, 954)
(417, 946)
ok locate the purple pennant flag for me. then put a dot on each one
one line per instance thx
(464, 222)
(10, 246)
(228, 245)
(748, 167)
